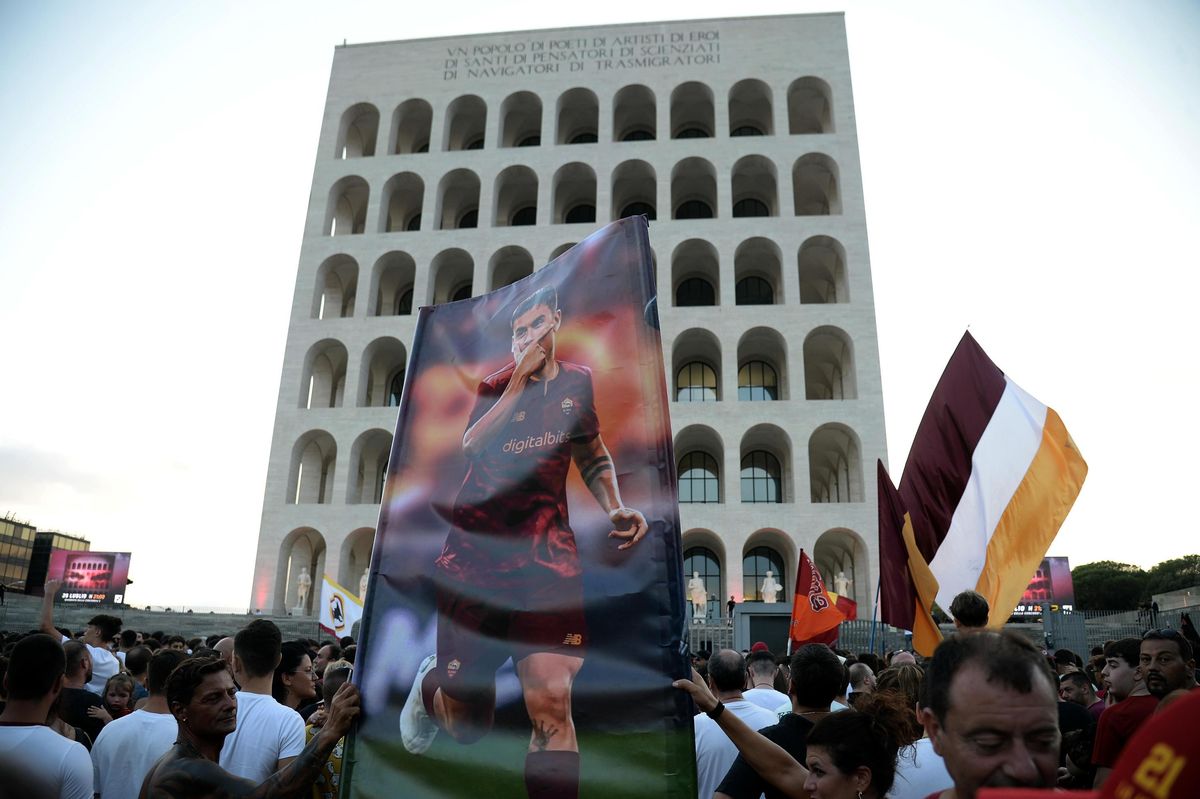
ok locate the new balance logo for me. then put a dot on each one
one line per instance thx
(573, 639)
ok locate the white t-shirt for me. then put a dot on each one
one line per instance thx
(104, 665)
(266, 733)
(715, 753)
(125, 750)
(767, 697)
(45, 761)
(920, 771)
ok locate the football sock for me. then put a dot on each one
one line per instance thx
(552, 775)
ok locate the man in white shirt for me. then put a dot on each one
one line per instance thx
(715, 753)
(761, 667)
(127, 747)
(98, 636)
(34, 759)
(268, 735)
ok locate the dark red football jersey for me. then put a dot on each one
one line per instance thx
(510, 517)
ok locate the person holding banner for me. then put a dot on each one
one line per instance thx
(509, 580)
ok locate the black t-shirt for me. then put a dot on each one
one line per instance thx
(73, 709)
(743, 782)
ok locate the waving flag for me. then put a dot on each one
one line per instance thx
(991, 476)
(906, 592)
(339, 608)
(815, 615)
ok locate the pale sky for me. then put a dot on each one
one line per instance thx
(1030, 172)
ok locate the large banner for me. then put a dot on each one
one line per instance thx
(525, 614)
(89, 578)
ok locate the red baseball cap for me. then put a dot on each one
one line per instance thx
(759, 646)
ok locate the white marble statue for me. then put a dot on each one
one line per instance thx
(771, 588)
(699, 596)
(362, 585)
(841, 584)
(303, 585)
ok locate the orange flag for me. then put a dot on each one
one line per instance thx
(815, 617)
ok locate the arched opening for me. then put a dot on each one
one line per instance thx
(757, 270)
(508, 265)
(703, 558)
(835, 464)
(750, 109)
(693, 189)
(822, 262)
(695, 274)
(634, 190)
(310, 478)
(452, 272)
(369, 455)
(634, 114)
(521, 120)
(382, 377)
(829, 365)
(810, 106)
(458, 200)
(302, 552)
(392, 289)
(841, 557)
(765, 465)
(337, 283)
(466, 121)
(768, 550)
(762, 361)
(323, 379)
(754, 187)
(574, 194)
(516, 197)
(346, 211)
(700, 454)
(696, 365)
(356, 559)
(692, 112)
(403, 196)
(578, 117)
(357, 131)
(815, 185)
(411, 124)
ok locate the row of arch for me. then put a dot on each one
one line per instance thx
(763, 462)
(523, 122)
(380, 379)
(762, 359)
(305, 548)
(836, 551)
(516, 199)
(695, 276)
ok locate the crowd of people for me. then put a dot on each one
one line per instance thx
(115, 713)
(122, 713)
(988, 709)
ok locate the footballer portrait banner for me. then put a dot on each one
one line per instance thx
(525, 611)
(89, 578)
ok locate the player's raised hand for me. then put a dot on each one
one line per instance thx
(529, 361)
(628, 524)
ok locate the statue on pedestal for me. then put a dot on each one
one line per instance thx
(362, 585)
(771, 588)
(698, 595)
(841, 584)
(303, 584)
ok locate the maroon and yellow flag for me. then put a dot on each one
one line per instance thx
(815, 615)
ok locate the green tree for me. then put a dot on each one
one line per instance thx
(1108, 585)
(1171, 575)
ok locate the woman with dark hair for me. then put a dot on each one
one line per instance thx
(293, 684)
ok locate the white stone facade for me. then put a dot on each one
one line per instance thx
(418, 137)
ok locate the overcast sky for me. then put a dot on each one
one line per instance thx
(1031, 172)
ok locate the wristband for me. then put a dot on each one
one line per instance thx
(716, 712)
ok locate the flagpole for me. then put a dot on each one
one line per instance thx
(874, 610)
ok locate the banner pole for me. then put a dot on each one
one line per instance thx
(874, 611)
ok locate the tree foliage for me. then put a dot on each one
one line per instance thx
(1171, 575)
(1108, 585)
